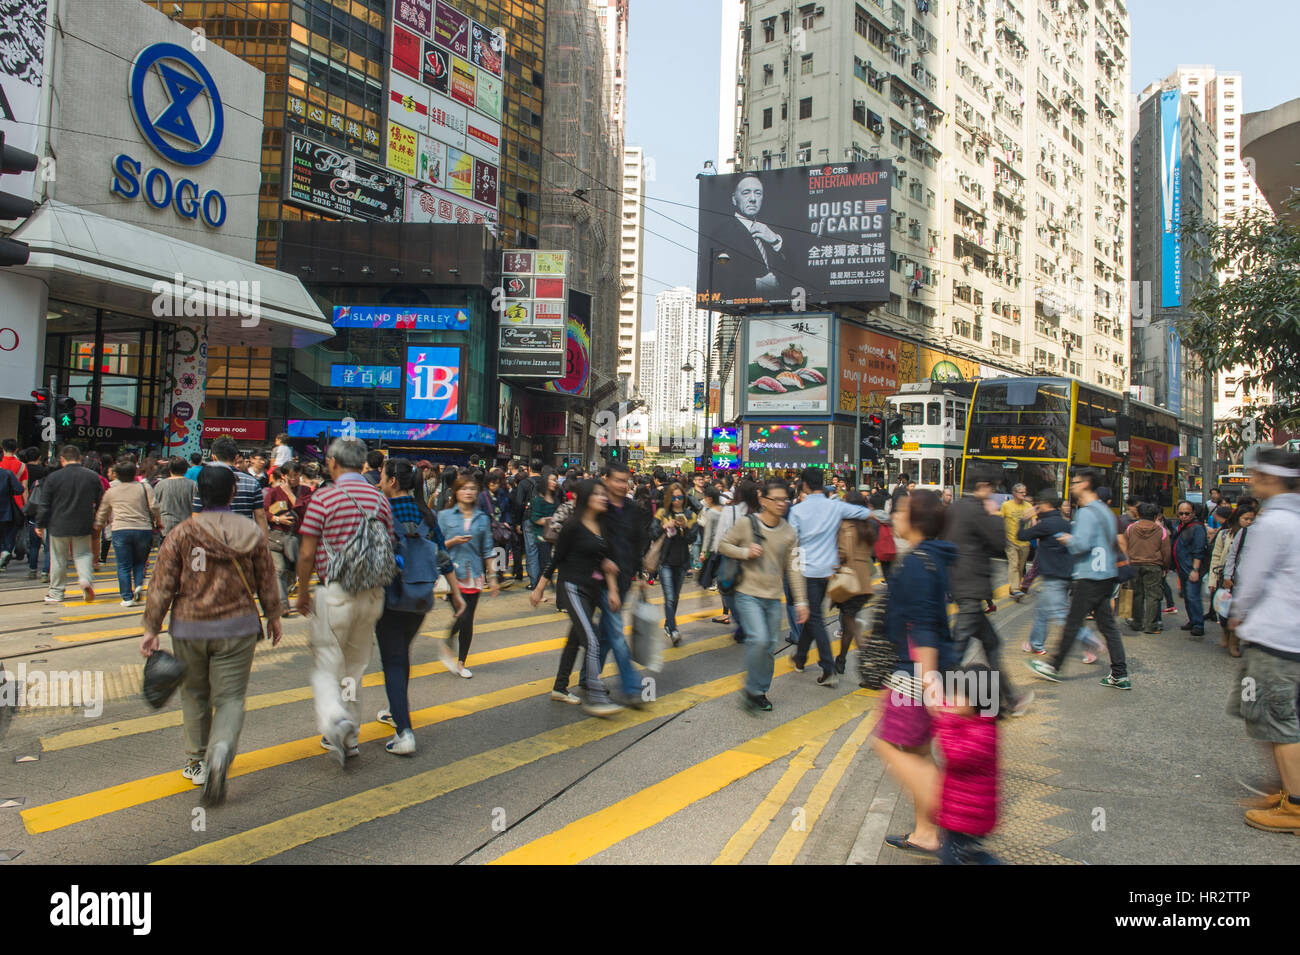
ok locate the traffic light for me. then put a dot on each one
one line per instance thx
(871, 434)
(1119, 441)
(894, 433)
(65, 408)
(42, 405)
(13, 252)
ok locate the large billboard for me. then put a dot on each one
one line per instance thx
(1171, 201)
(324, 178)
(868, 369)
(786, 445)
(577, 350)
(22, 29)
(787, 364)
(432, 383)
(812, 233)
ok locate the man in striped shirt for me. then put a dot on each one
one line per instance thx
(343, 625)
(248, 493)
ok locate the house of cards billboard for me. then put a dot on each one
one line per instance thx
(813, 233)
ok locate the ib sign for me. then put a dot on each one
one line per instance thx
(432, 383)
(175, 103)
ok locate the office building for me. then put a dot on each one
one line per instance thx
(631, 256)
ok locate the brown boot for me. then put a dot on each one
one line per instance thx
(1285, 817)
(1234, 647)
(1271, 801)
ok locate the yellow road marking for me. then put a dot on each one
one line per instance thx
(592, 834)
(738, 846)
(275, 838)
(787, 850)
(75, 809)
(99, 635)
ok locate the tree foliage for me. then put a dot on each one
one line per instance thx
(1252, 320)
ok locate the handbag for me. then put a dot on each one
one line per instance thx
(647, 639)
(708, 570)
(654, 556)
(843, 584)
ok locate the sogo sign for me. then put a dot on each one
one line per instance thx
(172, 134)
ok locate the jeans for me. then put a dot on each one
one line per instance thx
(8, 535)
(611, 639)
(672, 579)
(973, 623)
(1093, 596)
(1192, 600)
(34, 543)
(212, 691)
(1164, 586)
(531, 558)
(1053, 602)
(543, 558)
(394, 632)
(761, 618)
(815, 628)
(342, 626)
(131, 548)
(60, 549)
(792, 635)
(695, 553)
(582, 634)
(1146, 595)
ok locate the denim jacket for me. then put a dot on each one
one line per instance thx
(471, 559)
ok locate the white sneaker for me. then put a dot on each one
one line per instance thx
(448, 658)
(196, 772)
(139, 594)
(465, 672)
(51, 599)
(402, 744)
(128, 603)
(386, 717)
(559, 697)
(603, 710)
(337, 741)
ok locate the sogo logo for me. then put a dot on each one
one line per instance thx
(172, 133)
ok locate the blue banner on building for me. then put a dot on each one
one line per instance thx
(401, 316)
(395, 430)
(365, 376)
(1171, 201)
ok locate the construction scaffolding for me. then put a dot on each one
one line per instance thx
(582, 168)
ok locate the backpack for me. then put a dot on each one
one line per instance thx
(521, 496)
(731, 570)
(366, 560)
(885, 549)
(33, 501)
(411, 590)
(551, 533)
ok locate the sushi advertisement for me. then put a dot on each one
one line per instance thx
(788, 364)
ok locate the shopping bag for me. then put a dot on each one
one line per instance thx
(162, 675)
(647, 637)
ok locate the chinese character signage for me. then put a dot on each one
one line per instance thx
(432, 387)
(726, 449)
(820, 233)
(868, 369)
(787, 364)
(365, 376)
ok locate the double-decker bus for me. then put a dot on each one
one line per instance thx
(1031, 431)
(934, 432)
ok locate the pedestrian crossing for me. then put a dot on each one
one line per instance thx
(253, 831)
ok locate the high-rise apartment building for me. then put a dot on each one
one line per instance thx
(1221, 99)
(1005, 120)
(645, 374)
(681, 333)
(1165, 371)
(631, 256)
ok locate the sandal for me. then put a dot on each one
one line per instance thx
(722, 618)
(907, 845)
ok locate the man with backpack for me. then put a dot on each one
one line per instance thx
(347, 539)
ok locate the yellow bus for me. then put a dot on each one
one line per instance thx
(1032, 431)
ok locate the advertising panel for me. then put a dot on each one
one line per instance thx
(489, 94)
(1171, 201)
(364, 376)
(816, 232)
(577, 350)
(460, 173)
(918, 363)
(462, 81)
(787, 364)
(413, 318)
(451, 28)
(1174, 399)
(432, 383)
(726, 449)
(393, 430)
(323, 178)
(403, 145)
(416, 14)
(22, 26)
(534, 285)
(427, 204)
(240, 429)
(431, 163)
(868, 369)
(486, 49)
(531, 352)
(552, 424)
(408, 104)
(435, 68)
(407, 47)
(786, 445)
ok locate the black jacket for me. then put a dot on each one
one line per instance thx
(69, 498)
(1053, 559)
(980, 538)
(628, 540)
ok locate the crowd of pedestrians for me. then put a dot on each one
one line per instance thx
(363, 545)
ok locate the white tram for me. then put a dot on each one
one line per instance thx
(934, 433)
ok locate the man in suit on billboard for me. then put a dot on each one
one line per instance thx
(757, 251)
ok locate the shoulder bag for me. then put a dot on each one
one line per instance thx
(731, 570)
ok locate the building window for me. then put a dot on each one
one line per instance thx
(785, 110)
(805, 108)
(769, 29)
(859, 69)
(767, 74)
(806, 64)
(767, 118)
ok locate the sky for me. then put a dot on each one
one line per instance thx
(672, 99)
